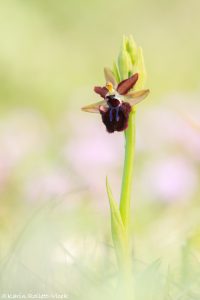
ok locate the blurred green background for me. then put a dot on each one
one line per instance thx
(54, 214)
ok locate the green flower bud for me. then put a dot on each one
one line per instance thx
(141, 70)
(130, 61)
(132, 49)
(116, 72)
(124, 62)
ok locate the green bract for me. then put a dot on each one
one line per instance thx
(117, 226)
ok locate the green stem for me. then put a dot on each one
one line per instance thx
(125, 201)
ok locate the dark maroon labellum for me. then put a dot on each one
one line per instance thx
(115, 117)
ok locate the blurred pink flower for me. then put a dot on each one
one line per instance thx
(168, 127)
(171, 179)
(92, 153)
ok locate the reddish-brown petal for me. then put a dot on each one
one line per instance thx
(102, 91)
(127, 84)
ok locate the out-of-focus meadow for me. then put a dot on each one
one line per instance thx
(54, 214)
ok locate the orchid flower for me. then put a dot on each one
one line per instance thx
(118, 101)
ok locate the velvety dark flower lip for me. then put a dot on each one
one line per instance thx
(118, 101)
(116, 119)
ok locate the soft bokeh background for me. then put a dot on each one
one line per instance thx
(54, 214)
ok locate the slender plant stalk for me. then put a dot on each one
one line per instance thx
(125, 207)
(125, 201)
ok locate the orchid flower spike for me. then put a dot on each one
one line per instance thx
(118, 100)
